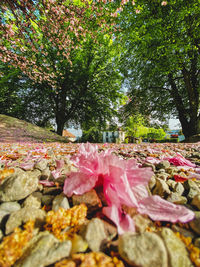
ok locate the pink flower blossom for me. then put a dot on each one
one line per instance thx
(124, 183)
(164, 3)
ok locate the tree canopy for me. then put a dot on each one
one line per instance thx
(70, 51)
(162, 59)
(65, 48)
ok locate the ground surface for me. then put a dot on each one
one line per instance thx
(53, 198)
(14, 130)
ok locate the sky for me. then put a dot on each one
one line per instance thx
(174, 124)
(77, 133)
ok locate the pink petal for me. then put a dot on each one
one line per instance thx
(123, 221)
(117, 188)
(162, 210)
(59, 164)
(179, 160)
(152, 160)
(139, 176)
(27, 166)
(79, 183)
(46, 183)
(87, 160)
(56, 174)
(140, 192)
(194, 175)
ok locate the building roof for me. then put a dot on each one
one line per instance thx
(68, 134)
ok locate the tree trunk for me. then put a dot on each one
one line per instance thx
(189, 119)
(60, 121)
(60, 109)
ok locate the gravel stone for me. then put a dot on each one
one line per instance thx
(19, 185)
(95, 234)
(43, 250)
(146, 250)
(60, 201)
(178, 255)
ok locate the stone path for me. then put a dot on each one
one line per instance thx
(42, 226)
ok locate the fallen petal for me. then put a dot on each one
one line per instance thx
(79, 183)
(159, 209)
(123, 221)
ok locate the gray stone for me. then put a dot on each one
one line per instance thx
(163, 165)
(10, 206)
(110, 230)
(95, 234)
(183, 231)
(3, 213)
(176, 198)
(161, 188)
(142, 222)
(195, 224)
(32, 202)
(192, 189)
(160, 171)
(171, 183)
(19, 185)
(162, 175)
(196, 201)
(24, 215)
(179, 188)
(43, 250)
(152, 182)
(38, 195)
(90, 198)
(41, 165)
(45, 174)
(172, 170)
(178, 255)
(7, 208)
(146, 250)
(47, 199)
(152, 166)
(60, 201)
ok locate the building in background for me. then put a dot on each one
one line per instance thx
(114, 136)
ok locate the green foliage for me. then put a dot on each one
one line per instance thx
(92, 135)
(162, 60)
(11, 82)
(156, 133)
(136, 126)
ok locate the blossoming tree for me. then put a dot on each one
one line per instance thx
(49, 39)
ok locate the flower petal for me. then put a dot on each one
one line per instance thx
(123, 221)
(78, 183)
(117, 188)
(162, 210)
(46, 183)
(179, 160)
